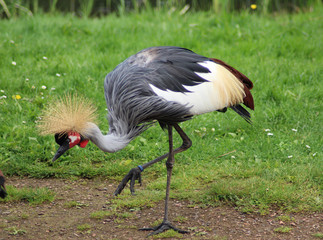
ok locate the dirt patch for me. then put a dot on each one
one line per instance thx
(65, 219)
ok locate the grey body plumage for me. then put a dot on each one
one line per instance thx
(132, 104)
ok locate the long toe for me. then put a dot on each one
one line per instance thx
(133, 175)
(164, 226)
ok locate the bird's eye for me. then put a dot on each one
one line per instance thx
(60, 138)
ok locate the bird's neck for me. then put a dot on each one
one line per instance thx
(111, 142)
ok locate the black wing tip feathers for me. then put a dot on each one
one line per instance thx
(242, 112)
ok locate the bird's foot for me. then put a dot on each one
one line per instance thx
(133, 175)
(164, 226)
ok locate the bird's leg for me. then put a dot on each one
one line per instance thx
(166, 225)
(135, 173)
(169, 165)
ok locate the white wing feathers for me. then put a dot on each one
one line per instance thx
(222, 89)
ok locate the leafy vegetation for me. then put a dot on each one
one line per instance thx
(86, 8)
(274, 163)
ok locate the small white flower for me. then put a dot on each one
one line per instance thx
(43, 87)
(2, 91)
(45, 58)
(12, 41)
(307, 146)
(42, 97)
(290, 156)
(52, 88)
(3, 97)
(314, 154)
(204, 129)
(233, 157)
(270, 134)
(14, 63)
(32, 87)
(294, 130)
(213, 129)
(58, 75)
(23, 122)
(27, 79)
(267, 130)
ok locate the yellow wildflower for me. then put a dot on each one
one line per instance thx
(253, 6)
(16, 97)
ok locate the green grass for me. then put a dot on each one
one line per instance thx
(317, 235)
(281, 54)
(283, 229)
(15, 231)
(84, 227)
(286, 218)
(168, 234)
(30, 195)
(75, 204)
(101, 214)
(11, 9)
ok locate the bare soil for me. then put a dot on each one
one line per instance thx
(56, 220)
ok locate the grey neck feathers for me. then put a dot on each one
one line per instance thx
(112, 142)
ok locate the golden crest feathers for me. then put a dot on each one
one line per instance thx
(69, 113)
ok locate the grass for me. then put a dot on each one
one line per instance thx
(32, 196)
(101, 214)
(84, 227)
(75, 204)
(283, 229)
(168, 234)
(15, 231)
(114, 213)
(318, 235)
(46, 56)
(99, 8)
(285, 218)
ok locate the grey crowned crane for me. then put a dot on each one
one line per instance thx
(3, 192)
(165, 84)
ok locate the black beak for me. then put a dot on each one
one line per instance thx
(63, 148)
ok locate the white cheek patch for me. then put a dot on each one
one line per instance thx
(73, 139)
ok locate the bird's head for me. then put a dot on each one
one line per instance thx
(69, 119)
(67, 141)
